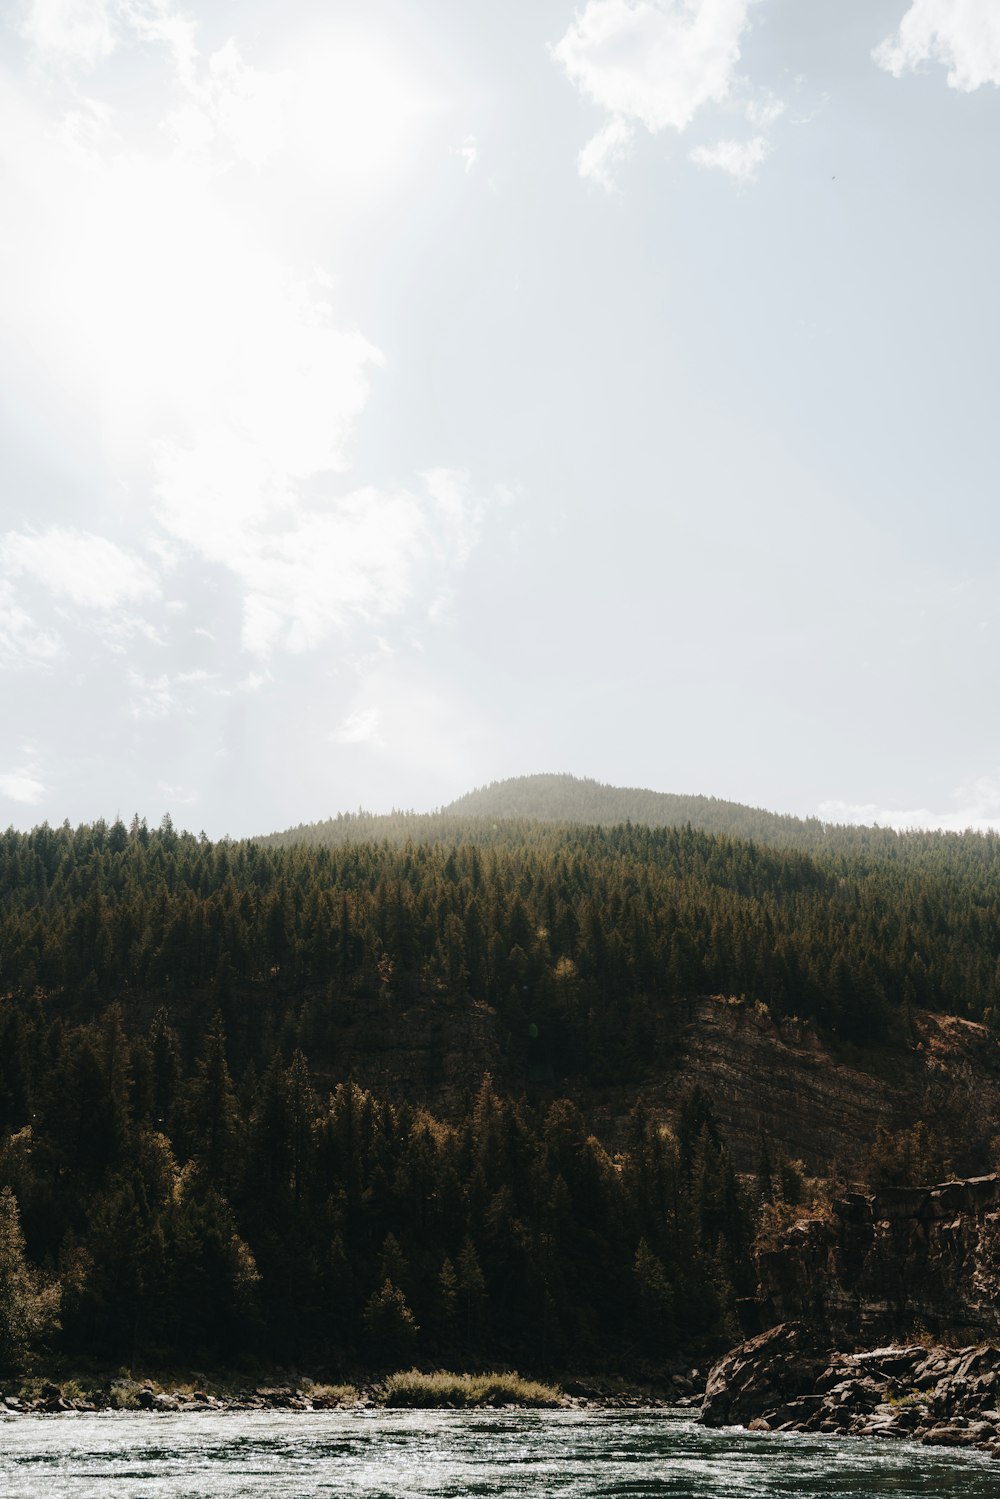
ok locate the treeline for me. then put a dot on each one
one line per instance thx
(152, 1210)
(586, 942)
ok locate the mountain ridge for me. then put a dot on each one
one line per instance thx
(508, 808)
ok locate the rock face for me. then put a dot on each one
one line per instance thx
(877, 1274)
(779, 1080)
(901, 1262)
(775, 1079)
(787, 1380)
(761, 1376)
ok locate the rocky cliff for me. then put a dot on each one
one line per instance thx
(770, 1079)
(897, 1279)
(779, 1080)
(923, 1260)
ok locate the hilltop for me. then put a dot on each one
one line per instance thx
(563, 799)
(572, 799)
(516, 810)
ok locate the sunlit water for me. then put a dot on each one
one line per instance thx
(413, 1455)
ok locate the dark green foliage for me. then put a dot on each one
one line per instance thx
(190, 1160)
(354, 1232)
(587, 941)
(390, 1328)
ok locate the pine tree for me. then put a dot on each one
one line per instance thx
(390, 1327)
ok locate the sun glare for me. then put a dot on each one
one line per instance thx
(172, 298)
(356, 113)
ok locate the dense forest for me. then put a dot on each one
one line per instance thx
(584, 935)
(182, 1169)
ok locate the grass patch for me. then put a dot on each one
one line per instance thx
(425, 1391)
(329, 1396)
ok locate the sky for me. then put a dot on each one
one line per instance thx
(396, 397)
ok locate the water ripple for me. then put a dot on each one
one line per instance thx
(457, 1455)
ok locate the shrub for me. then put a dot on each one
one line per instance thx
(425, 1391)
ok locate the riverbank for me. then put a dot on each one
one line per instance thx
(786, 1380)
(90, 1391)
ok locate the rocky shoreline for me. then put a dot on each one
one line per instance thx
(124, 1394)
(786, 1379)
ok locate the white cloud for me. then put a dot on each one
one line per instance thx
(75, 32)
(362, 558)
(656, 61)
(469, 152)
(740, 159)
(408, 719)
(765, 111)
(309, 571)
(178, 795)
(659, 62)
(167, 693)
(962, 35)
(22, 642)
(457, 515)
(978, 808)
(22, 785)
(249, 107)
(81, 33)
(152, 697)
(605, 151)
(85, 569)
(158, 21)
(223, 387)
(354, 561)
(120, 629)
(360, 727)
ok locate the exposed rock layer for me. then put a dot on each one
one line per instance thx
(923, 1260)
(780, 1080)
(764, 1078)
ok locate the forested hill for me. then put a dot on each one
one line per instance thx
(564, 799)
(511, 811)
(571, 799)
(194, 1172)
(596, 926)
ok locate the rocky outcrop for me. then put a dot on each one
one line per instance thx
(778, 1080)
(922, 1260)
(788, 1379)
(890, 1277)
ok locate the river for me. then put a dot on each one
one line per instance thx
(433, 1454)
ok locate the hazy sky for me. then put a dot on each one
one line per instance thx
(400, 396)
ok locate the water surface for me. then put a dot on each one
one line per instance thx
(453, 1454)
